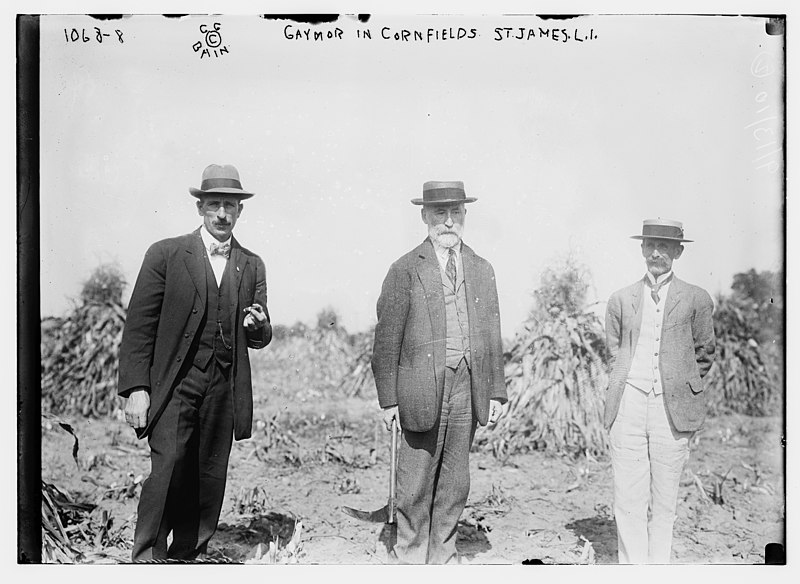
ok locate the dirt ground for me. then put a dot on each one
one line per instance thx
(311, 453)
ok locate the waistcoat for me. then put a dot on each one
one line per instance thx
(217, 334)
(456, 320)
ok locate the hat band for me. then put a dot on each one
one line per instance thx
(667, 231)
(220, 183)
(445, 194)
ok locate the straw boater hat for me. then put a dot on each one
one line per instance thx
(662, 229)
(221, 179)
(435, 192)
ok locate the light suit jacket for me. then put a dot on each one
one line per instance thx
(685, 355)
(164, 314)
(410, 337)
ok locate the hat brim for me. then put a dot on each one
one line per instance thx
(444, 201)
(662, 237)
(230, 192)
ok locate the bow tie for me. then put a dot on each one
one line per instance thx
(223, 249)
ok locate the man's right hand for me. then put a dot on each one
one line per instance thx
(137, 407)
(389, 414)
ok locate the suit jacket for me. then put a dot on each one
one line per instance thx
(685, 355)
(164, 314)
(410, 337)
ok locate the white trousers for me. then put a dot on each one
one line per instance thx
(647, 456)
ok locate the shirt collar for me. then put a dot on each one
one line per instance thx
(660, 280)
(443, 253)
(208, 239)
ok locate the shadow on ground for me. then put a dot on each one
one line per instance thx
(471, 540)
(602, 532)
(237, 541)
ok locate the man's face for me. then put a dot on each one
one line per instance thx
(659, 254)
(219, 214)
(445, 223)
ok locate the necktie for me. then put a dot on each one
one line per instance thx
(654, 288)
(223, 249)
(450, 269)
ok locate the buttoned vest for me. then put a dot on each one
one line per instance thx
(456, 320)
(216, 339)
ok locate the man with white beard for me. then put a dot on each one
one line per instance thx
(438, 365)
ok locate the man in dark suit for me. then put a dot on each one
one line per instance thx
(661, 338)
(438, 365)
(199, 302)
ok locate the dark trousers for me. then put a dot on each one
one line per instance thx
(189, 449)
(433, 477)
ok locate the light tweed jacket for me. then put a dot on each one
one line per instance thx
(410, 338)
(685, 355)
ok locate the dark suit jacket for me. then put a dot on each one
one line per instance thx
(684, 357)
(410, 338)
(164, 314)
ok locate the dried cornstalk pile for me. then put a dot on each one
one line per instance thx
(743, 378)
(556, 380)
(61, 516)
(80, 354)
(359, 380)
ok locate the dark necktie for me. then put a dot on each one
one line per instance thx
(223, 249)
(654, 288)
(450, 269)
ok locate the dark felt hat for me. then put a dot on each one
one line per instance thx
(221, 179)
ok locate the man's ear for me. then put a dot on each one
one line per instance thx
(199, 207)
(678, 252)
(422, 214)
(241, 206)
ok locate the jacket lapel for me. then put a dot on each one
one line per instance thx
(431, 279)
(636, 297)
(470, 273)
(674, 296)
(636, 303)
(237, 263)
(194, 260)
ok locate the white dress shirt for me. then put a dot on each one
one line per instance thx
(443, 254)
(645, 373)
(217, 261)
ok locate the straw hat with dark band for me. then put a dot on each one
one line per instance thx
(436, 192)
(662, 229)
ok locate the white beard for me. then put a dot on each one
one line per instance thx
(444, 236)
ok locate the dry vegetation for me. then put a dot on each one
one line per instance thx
(556, 376)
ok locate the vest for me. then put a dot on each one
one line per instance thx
(645, 374)
(456, 320)
(216, 339)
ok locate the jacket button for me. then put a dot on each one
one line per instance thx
(178, 359)
(194, 311)
(186, 336)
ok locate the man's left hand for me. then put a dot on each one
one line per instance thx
(495, 411)
(255, 317)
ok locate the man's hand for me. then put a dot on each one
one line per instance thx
(136, 408)
(254, 317)
(389, 414)
(495, 411)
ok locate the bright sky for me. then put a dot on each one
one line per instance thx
(567, 145)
